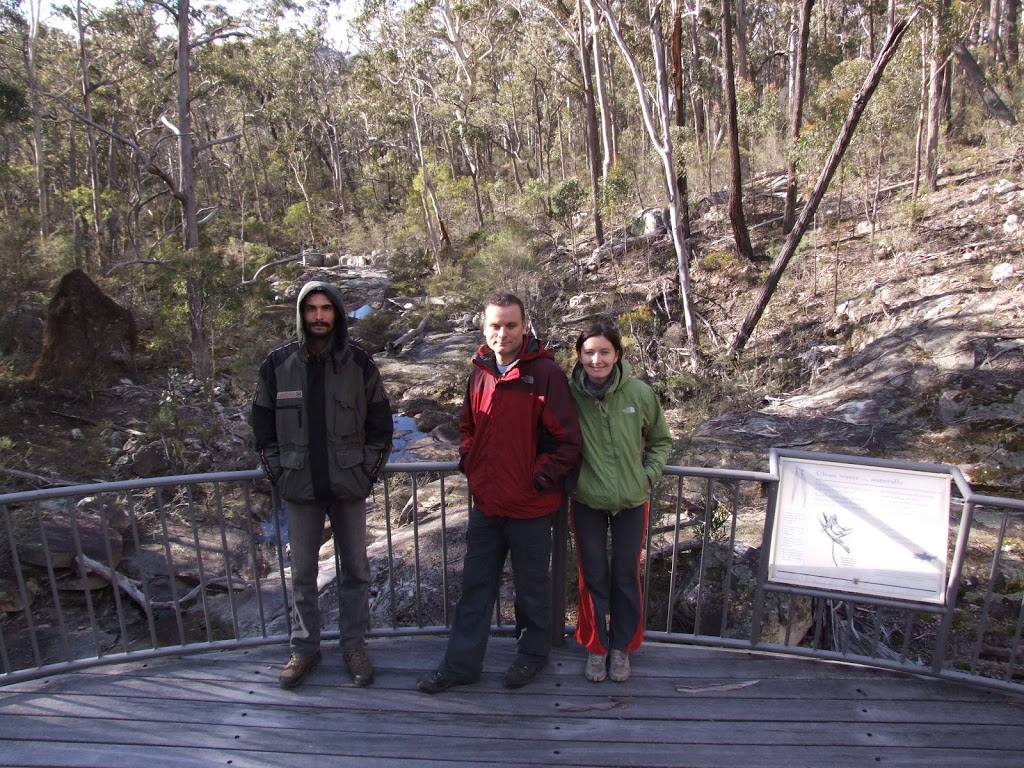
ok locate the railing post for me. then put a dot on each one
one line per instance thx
(559, 560)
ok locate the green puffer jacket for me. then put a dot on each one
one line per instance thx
(626, 441)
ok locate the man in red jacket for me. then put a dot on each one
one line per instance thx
(520, 437)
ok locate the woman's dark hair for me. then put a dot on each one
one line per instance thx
(607, 330)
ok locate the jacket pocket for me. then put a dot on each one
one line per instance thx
(346, 420)
(349, 478)
(295, 483)
(289, 411)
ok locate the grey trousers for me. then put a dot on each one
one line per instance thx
(305, 532)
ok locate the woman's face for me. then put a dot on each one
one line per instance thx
(598, 357)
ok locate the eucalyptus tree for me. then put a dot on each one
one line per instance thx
(937, 67)
(473, 35)
(31, 51)
(856, 110)
(654, 106)
(740, 234)
(799, 39)
(170, 124)
(399, 67)
(15, 112)
(586, 37)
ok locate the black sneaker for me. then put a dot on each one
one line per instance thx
(437, 681)
(523, 670)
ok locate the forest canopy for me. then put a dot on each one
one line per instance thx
(456, 135)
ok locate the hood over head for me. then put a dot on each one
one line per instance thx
(340, 318)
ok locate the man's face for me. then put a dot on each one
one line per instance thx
(504, 329)
(318, 318)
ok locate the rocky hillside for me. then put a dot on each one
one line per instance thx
(915, 351)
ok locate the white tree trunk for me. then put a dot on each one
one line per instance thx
(659, 131)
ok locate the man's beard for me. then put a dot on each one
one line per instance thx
(319, 331)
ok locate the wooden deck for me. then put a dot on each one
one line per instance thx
(683, 707)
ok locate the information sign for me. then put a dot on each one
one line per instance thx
(861, 529)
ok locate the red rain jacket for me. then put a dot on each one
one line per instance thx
(520, 433)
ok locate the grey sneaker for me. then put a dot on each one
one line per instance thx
(618, 667)
(296, 669)
(596, 669)
(358, 665)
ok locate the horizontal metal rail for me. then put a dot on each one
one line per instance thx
(110, 572)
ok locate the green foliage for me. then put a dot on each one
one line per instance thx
(297, 218)
(57, 253)
(718, 261)
(637, 322)
(567, 198)
(506, 261)
(408, 270)
(535, 198)
(13, 104)
(618, 187)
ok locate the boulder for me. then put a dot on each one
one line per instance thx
(60, 529)
(88, 336)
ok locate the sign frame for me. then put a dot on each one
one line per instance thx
(875, 529)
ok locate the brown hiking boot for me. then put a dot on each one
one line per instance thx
(296, 669)
(359, 666)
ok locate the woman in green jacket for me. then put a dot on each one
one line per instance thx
(625, 445)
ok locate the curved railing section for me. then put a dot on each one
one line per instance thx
(110, 572)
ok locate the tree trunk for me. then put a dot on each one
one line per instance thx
(742, 58)
(922, 119)
(42, 183)
(994, 12)
(660, 134)
(196, 299)
(799, 76)
(696, 99)
(860, 102)
(996, 106)
(76, 223)
(679, 94)
(593, 149)
(739, 223)
(678, 90)
(937, 62)
(92, 155)
(604, 111)
(186, 187)
(426, 186)
(1011, 40)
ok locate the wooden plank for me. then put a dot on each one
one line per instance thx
(264, 730)
(544, 698)
(745, 709)
(474, 756)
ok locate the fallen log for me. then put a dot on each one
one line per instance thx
(130, 586)
(395, 347)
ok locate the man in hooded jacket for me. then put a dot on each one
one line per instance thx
(323, 427)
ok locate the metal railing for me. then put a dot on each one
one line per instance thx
(110, 572)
